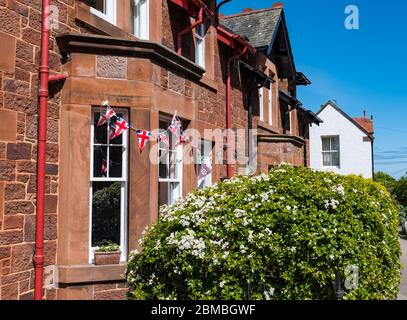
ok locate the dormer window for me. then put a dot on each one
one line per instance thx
(105, 9)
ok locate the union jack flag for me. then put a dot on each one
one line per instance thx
(183, 139)
(175, 124)
(205, 170)
(143, 137)
(109, 113)
(120, 127)
(163, 138)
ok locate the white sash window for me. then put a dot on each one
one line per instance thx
(105, 9)
(170, 167)
(108, 185)
(140, 23)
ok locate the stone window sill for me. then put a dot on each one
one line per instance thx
(90, 273)
(268, 127)
(101, 26)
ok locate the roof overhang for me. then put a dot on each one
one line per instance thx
(235, 41)
(288, 99)
(261, 77)
(302, 80)
(285, 55)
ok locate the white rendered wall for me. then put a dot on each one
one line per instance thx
(355, 154)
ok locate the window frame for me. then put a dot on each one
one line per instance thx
(261, 104)
(207, 159)
(331, 151)
(199, 35)
(137, 12)
(271, 104)
(179, 166)
(123, 180)
(111, 11)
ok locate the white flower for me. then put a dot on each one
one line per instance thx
(250, 237)
(339, 189)
(269, 232)
(332, 203)
(268, 294)
(222, 284)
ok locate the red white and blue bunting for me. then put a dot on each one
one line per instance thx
(119, 126)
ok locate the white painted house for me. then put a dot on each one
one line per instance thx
(342, 144)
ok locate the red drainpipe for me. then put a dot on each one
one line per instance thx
(189, 29)
(41, 145)
(228, 110)
(42, 134)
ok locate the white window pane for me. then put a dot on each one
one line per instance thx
(106, 207)
(335, 159)
(261, 104)
(140, 19)
(327, 159)
(99, 5)
(99, 157)
(326, 144)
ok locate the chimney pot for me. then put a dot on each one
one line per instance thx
(247, 10)
(364, 114)
(278, 5)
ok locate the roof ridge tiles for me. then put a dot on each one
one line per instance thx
(249, 12)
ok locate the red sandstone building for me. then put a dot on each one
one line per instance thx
(148, 58)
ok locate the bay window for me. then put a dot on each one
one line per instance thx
(105, 9)
(170, 167)
(140, 21)
(108, 185)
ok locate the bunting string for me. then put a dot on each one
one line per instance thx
(120, 125)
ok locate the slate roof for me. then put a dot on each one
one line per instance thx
(258, 26)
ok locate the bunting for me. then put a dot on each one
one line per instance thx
(118, 127)
(205, 170)
(121, 126)
(143, 137)
(104, 167)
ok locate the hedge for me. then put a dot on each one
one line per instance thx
(282, 235)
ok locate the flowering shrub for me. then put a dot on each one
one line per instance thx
(282, 235)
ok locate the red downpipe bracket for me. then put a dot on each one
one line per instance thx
(42, 136)
(189, 29)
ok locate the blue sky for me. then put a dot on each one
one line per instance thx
(363, 69)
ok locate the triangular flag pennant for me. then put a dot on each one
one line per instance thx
(163, 138)
(175, 124)
(143, 137)
(120, 127)
(109, 113)
(183, 139)
(104, 167)
(205, 170)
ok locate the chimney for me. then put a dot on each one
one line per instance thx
(247, 10)
(364, 114)
(221, 15)
(278, 5)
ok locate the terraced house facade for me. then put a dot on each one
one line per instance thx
(148, 58)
